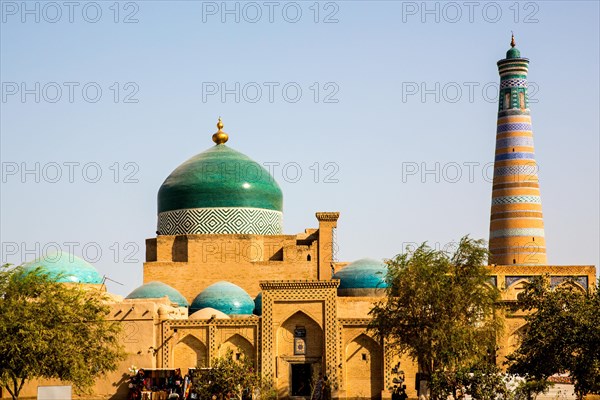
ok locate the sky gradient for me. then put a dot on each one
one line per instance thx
(384, 111)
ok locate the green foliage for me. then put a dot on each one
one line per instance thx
(562, 335)
(229, 375)
(483, 382)
(487, 382)
(440, 310)
(53, 330)
(529, 389)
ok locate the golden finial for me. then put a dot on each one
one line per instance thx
(220, 137)
(512, 40)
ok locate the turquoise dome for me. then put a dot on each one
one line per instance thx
(365, 273)
(65, 267)
(258, 304)
(157, 290)
(225, 297)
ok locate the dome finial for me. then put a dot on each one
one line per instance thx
(220, 137)
(513, 52)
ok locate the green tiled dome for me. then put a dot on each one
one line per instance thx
(513, 53)
(220, 191)
(225, 297)
(220, 177)
(65, 267)
(157, 290)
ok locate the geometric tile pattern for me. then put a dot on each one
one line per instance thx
(516, 199)
(513, 83)
(519, 170)
(193, 221)
(518, 126)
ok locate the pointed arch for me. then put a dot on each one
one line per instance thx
(572, 285)
(314, 338)
(303, 312)
(362, 341)
(513, 290)
(239, 345)
(357, 335)
(364, 367)
(190, 352)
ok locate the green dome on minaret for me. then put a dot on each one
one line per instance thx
(513, 52)
(220, 191)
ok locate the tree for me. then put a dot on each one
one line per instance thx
(440, 310)
(53, 330)
(229, 375)
(562, 335)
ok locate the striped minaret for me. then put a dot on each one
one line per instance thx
(517, 225)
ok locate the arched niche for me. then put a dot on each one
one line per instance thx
(239, 346)
(515, 288)
(364, 368)
(190, 352)
(574, 286)
(288, 330)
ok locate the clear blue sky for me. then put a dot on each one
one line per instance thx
(370, 57)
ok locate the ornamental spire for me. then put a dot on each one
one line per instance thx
(220, 137)
(512, 40)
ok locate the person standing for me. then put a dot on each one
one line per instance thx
(402, 395)
(178, 382)
(136, 385)
(326, 389)
(318, 390)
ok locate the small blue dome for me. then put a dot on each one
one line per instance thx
(258, 304)
(156, 290)
(65, 267)
(225, 297)
(365, 273)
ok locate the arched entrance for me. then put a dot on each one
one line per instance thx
(300, 355)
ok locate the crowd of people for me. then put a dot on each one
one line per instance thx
(178, 387)
(175, 386)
